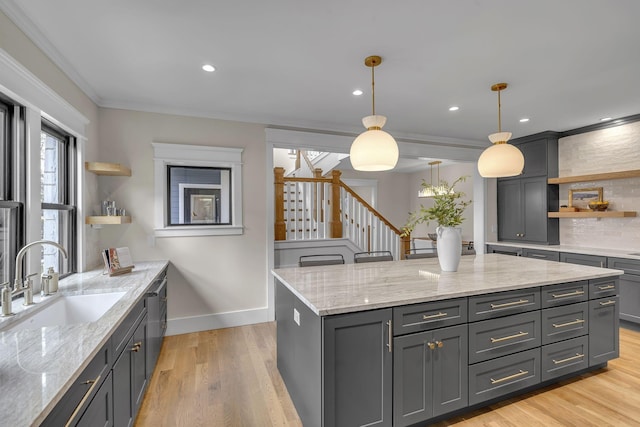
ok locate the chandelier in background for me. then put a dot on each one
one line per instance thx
(433, 190)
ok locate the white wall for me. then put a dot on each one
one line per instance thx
(449, 173)
(217, 281)
(607, 150)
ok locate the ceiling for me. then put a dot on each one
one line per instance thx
(295, 63)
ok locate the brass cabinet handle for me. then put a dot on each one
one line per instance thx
(568, 359)
(569, 294)
(509, 304)
(164, 325)
(562, 325)
(139, 344)
(440, 344)
(607, 303)
(510, 337)
(434, 316)
(136, 348)
(431, 345)
(606, 287)
(510, 377)
(73, 416)
(390, 337)
(537, 255)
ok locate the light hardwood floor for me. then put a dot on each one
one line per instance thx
(229, 377)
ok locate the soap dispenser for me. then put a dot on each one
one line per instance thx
(53, 280)
(6, 300)
(45, 284)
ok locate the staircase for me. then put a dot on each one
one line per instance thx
(318, 208)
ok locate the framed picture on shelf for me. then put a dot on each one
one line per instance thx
(580, 197)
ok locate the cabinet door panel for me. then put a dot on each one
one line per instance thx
(561, 323)
(535, 209)
(450, 370)
(630, 298)
(604, 330)
(509, 210)
(122, 391)
(139, 364)
(565, 357)
(357, 368)
(582, 259)
(100, 410)
(535, 153)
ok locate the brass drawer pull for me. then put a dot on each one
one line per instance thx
(434, 316)
(509, 304)
(72, 418)
(510, 337)
(607, 303)
(606, 287)
(568, 294)
(510, 377)
(562, 325)
(568, 359)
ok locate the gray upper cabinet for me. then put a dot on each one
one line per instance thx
(524, 201)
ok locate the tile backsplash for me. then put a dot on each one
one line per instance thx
(607, 150)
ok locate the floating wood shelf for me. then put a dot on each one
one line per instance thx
(110, 169)
(107, 220)
(595, 177)
(591, 214)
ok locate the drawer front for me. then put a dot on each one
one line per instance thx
(564, 293)
(601, 288)
(504, 375)
(541, 254)
(489, 306)
(582, 259)
(630, 266)
(498, 337)
(562, 323)
(431, 315)
(565, 357)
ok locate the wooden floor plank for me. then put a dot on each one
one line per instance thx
(229, 377)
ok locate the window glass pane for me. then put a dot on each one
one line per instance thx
(199, 195)
(57, 226)
(52, 149)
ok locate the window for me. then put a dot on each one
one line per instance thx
(198, 190)
(57, 194)
(12, 143)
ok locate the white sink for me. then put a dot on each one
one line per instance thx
(68, 310)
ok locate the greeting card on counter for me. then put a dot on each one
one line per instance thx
(117, 260)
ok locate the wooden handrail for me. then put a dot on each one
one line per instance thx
(370, 208)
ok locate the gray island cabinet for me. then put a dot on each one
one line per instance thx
(401, 343)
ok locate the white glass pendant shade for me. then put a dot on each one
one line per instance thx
(500, 137)
(375, 149)
(501, 160)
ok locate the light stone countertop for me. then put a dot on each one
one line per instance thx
(350, 288)
(38, 366)
(614, 253)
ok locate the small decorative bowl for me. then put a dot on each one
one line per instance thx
(598, 206)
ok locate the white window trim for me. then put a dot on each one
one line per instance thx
(196, 155)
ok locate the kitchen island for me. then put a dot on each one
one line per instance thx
(402, 343)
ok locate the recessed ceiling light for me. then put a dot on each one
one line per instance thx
(208, 68)
(605, 119)
(454, 108)
(524, 120)
(357, 92)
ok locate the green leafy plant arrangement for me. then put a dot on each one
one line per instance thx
(447, 208)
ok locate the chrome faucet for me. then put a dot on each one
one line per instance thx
(23, 285)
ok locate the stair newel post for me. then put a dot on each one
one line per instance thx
(280, 226)
(336, 221)
(405, 245)
(318, 197)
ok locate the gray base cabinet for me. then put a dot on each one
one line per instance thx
(629, 288)
(100, 411)
(357, 369)
(430, 374)
(604, 330)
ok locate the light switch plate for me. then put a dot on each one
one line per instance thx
(296, 316)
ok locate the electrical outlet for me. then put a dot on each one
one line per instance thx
(296, 316)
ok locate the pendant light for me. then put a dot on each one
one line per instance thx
(433, 190)
(501, 159)
(374, 149)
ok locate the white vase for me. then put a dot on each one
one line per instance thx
(449, 245)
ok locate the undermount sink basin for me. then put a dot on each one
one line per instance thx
(69, 310)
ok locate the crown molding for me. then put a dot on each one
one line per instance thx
(29, 28)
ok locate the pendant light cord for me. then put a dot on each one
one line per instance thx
(373, 90)
(499, 115)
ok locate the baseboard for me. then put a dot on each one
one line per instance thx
(185, 325)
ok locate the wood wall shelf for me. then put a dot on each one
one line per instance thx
(591, 214)
(595, 177)
(109, 169)
(107, 220)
